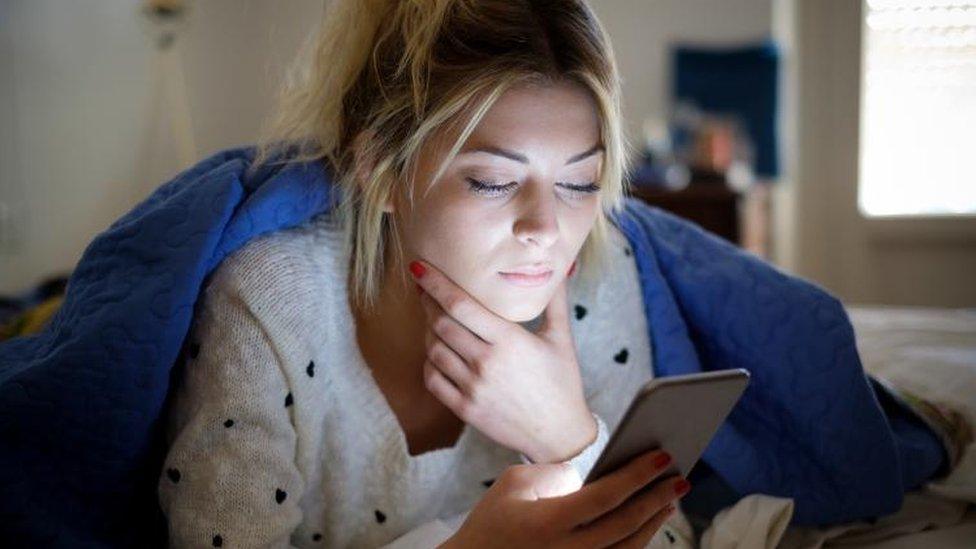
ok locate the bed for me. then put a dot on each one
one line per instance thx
(932, 352)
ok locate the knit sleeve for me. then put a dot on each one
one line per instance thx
(584, 461)
(229, 478)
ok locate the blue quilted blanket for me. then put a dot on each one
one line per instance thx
(81, 404)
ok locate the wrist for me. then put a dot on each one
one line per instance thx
(568, 446)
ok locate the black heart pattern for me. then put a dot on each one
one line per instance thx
(218, 541)
(621, 357)
(289, 400)
(173, 474)
(316, 536)
(194, 350)
(310, 370)
(380, 517)
(229, 423)
(580, 311)
(280, 495)
(488, 483)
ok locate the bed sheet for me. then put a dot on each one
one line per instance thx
(958, 536)
(931, 352)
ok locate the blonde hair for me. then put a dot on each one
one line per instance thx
(382, 77)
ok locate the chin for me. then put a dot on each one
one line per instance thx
(521, 314)
(518, 307)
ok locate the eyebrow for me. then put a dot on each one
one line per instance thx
(512, 155)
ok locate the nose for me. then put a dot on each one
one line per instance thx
(537, 224)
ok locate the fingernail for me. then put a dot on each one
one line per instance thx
(571, 269)
(662, 460)
(681, 487)
(417, 269)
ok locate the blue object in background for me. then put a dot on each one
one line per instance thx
(741, 81)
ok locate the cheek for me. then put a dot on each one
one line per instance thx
(578, 221)
(455, 237)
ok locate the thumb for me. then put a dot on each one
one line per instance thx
(555, 323)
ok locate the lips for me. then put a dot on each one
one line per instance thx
(535, 274)
(532, 269)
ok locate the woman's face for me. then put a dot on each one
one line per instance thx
(509, 215)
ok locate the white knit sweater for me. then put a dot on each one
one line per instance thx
(279, 435)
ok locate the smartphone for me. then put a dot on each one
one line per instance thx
(678, 414)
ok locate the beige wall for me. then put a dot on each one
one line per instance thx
(77, 123)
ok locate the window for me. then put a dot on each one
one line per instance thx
(918, 108)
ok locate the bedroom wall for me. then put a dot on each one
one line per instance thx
(901, 261)
(77, 144)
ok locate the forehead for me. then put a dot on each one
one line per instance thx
(539, 121)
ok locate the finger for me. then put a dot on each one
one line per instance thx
(555, 324)
(457, 302)
(640, 538)
(442, 388)
(627, 519)
(456, 335)
(449, 363)
(610, 491)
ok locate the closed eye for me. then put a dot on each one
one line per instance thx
(588, 188)
(488, 188)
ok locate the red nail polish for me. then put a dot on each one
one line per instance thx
(682, 487)
(417, 269)
(571, 269)
(662, 460)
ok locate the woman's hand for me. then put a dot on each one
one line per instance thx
(541, 505)
(521, 389)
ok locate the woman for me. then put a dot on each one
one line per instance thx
(427, 350)
(480, 144)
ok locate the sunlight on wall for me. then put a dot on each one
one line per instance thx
(918, 108)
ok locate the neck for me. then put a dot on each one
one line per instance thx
(391, 334)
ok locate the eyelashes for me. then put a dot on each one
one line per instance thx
(488, 188)
(491, 189)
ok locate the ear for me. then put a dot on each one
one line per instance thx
(365, 162)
